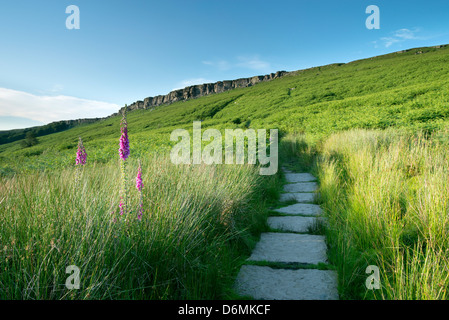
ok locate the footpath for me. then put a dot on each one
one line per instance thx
(284, 263)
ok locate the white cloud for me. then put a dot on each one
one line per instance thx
(401, 35)
(254, 63)
(47, 109)
(405, 34)
(389, 41)
(247, 62)
(57, 88)
(221, 65)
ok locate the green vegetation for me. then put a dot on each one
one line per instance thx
(373, 131)
(404, 90)
(30, 140)
(386, 195)
(199, 223)
(58, 126)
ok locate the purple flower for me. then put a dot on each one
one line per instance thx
(139, 183)
(124, 153)
(81, 155)
(139, 215)
(124, 143)
(139, 186)
(121, 207)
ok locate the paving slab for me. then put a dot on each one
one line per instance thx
(297, 196)
(290, 247)
(292, 224)
(299, 177)
(265, 283)
(307, 209)
(301, 187)
(286, 170)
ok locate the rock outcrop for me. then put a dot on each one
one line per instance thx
(201, 90)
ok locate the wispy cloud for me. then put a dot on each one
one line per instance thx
(401, 35)
(57, 88)
(406, 34)
(51, 108)
(253, 62)
(247, 62)
(221, 65)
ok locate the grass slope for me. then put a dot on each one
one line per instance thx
(405, 90)
(384, 191)
(386, 195)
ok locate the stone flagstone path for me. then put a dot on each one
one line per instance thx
(290, 245)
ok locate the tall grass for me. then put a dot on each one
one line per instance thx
(198, 223)
(297, 152)
(386, 194)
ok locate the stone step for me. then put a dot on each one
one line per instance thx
(290, 247)
(292, 224)
(307, 209)
(298, 197)
(301, 187)
(262, 282)
(285, 170)
(299, 177)
(265, 283)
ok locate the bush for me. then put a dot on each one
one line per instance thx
(30, 140)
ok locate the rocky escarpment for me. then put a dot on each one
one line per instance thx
(200, 90)
(187, 93)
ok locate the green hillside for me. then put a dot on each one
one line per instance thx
(58, 126)
(374, 132)
(405, 90)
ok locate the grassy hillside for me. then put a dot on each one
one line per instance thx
(373, 131)
(58, 126)
(405, 90)
(386, 195)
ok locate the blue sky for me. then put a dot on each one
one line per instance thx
(128, 50)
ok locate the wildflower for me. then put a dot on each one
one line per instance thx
(124, 153)
(124, 141)
(81, 159)
(81, 155)
(140, 214)
(121, 207)
(139, 186)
